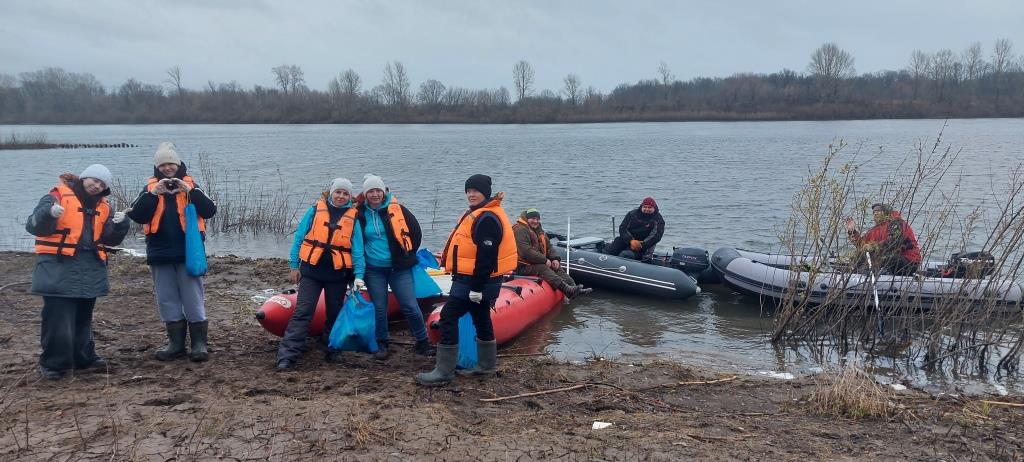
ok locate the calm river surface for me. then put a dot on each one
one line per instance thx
(717, 184)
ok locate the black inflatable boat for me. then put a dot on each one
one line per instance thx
(588, 266)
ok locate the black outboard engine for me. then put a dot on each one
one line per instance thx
(690, 259)
(970, 265)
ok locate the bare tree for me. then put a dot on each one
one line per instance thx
(431, 93)
(283, 77)
(297, 78)
(666, 74)
(1002, 60)
(522, 77)
(829, 65)
(7, 81)
(395, 85)
(918, 68)
(350, 83)
(174, 80)
(972, 61)
(573, 89)
(943, 72)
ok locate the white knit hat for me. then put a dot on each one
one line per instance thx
(371, 181)
(165, 154)
(341, 183)
(98, 172)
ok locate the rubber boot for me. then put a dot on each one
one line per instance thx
(486, 359)
(424, 348)
(198, 332)
(444, 371)
(175, 347)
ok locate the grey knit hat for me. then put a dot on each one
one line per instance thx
(98, 172)
(373, 182)
(341, 183)
(166, 154)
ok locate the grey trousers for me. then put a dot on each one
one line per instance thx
(179, 295)
(66, 333)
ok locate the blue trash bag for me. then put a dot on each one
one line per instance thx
(427, 259)
(195, 250)
(355, 328)
(467, 343)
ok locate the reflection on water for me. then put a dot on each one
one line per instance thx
(717, 184)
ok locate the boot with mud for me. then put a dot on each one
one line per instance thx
(198, 333)
(424, 348)
(486, 359)
(444, 370)
(175, 347)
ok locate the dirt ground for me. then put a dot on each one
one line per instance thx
(236, 407)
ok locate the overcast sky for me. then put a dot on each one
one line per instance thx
(475, 43)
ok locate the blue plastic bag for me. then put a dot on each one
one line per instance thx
(427, 259)
(467, 343)
(355, 328)
(422, 283)
(195, 250)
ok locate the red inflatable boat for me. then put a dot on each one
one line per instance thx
(522, 302)
(277, 310)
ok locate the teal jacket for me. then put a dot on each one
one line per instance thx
(304, 226)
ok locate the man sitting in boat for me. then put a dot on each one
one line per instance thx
(538, 258)
(891, 241)
(639, 232)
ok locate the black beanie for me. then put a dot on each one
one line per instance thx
(480, 183)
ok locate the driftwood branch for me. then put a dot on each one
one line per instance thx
(536, 393)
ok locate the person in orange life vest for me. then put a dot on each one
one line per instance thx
(639, 232)
(891, 241)
(73, 225)
(538, 258)
(480, 252)
(160, 208)
(391, 237)
(324, 251)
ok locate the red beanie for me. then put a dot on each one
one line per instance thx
(649, 201)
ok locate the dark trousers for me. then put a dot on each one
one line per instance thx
(557, 278)
(454, 309)
(66, 333)
(620, 248)
(293, 343)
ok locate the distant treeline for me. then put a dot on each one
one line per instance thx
(970, 83)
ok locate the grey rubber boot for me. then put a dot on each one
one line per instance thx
(486, 359)
(444, 371)
(175, 347)
(198, 332)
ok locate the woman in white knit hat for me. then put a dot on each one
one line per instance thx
(160, 208)
(324, 251)
(391, 237)
(73, 225)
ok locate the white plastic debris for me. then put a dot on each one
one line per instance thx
(898, 386)
(598, 425)
(778, 375)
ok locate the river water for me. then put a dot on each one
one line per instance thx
(717, 184)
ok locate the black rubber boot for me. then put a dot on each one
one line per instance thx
(486, 359)
(175, 347)
(444, 371)
(198, 333)
(382, 352)
(424, 348)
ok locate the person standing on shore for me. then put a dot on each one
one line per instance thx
(160, 208)
(479, 253)
(391, 237)
(73, 224)
(324, 251)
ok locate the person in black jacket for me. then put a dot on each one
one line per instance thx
(160, 208)
(639, 232)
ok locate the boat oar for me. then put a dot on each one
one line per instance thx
(874, 290)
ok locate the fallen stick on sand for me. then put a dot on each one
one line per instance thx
(1000, 403)
(536, 393)
(676, 384)
(520, 355)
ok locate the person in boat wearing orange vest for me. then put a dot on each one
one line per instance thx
(639, 232)
(324, 251)
(73, 225)
(391, 237)
(479, 253)
(891, 240)
(160, 208)
(538, 258)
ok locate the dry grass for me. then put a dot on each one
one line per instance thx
(852, 393)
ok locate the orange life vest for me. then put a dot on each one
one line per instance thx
(399, 226)
(541, 239)
(459, 256)
(69, 226)
(154, 223)
(323, 234)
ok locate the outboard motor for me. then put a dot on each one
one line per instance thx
(690, 259)
(970, 265)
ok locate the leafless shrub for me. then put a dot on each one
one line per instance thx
(852, 393)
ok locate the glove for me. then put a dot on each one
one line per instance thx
(182, 185)
(636, 245)
(118, 217)
(475, 297)
(358, 284)
(56, 211)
